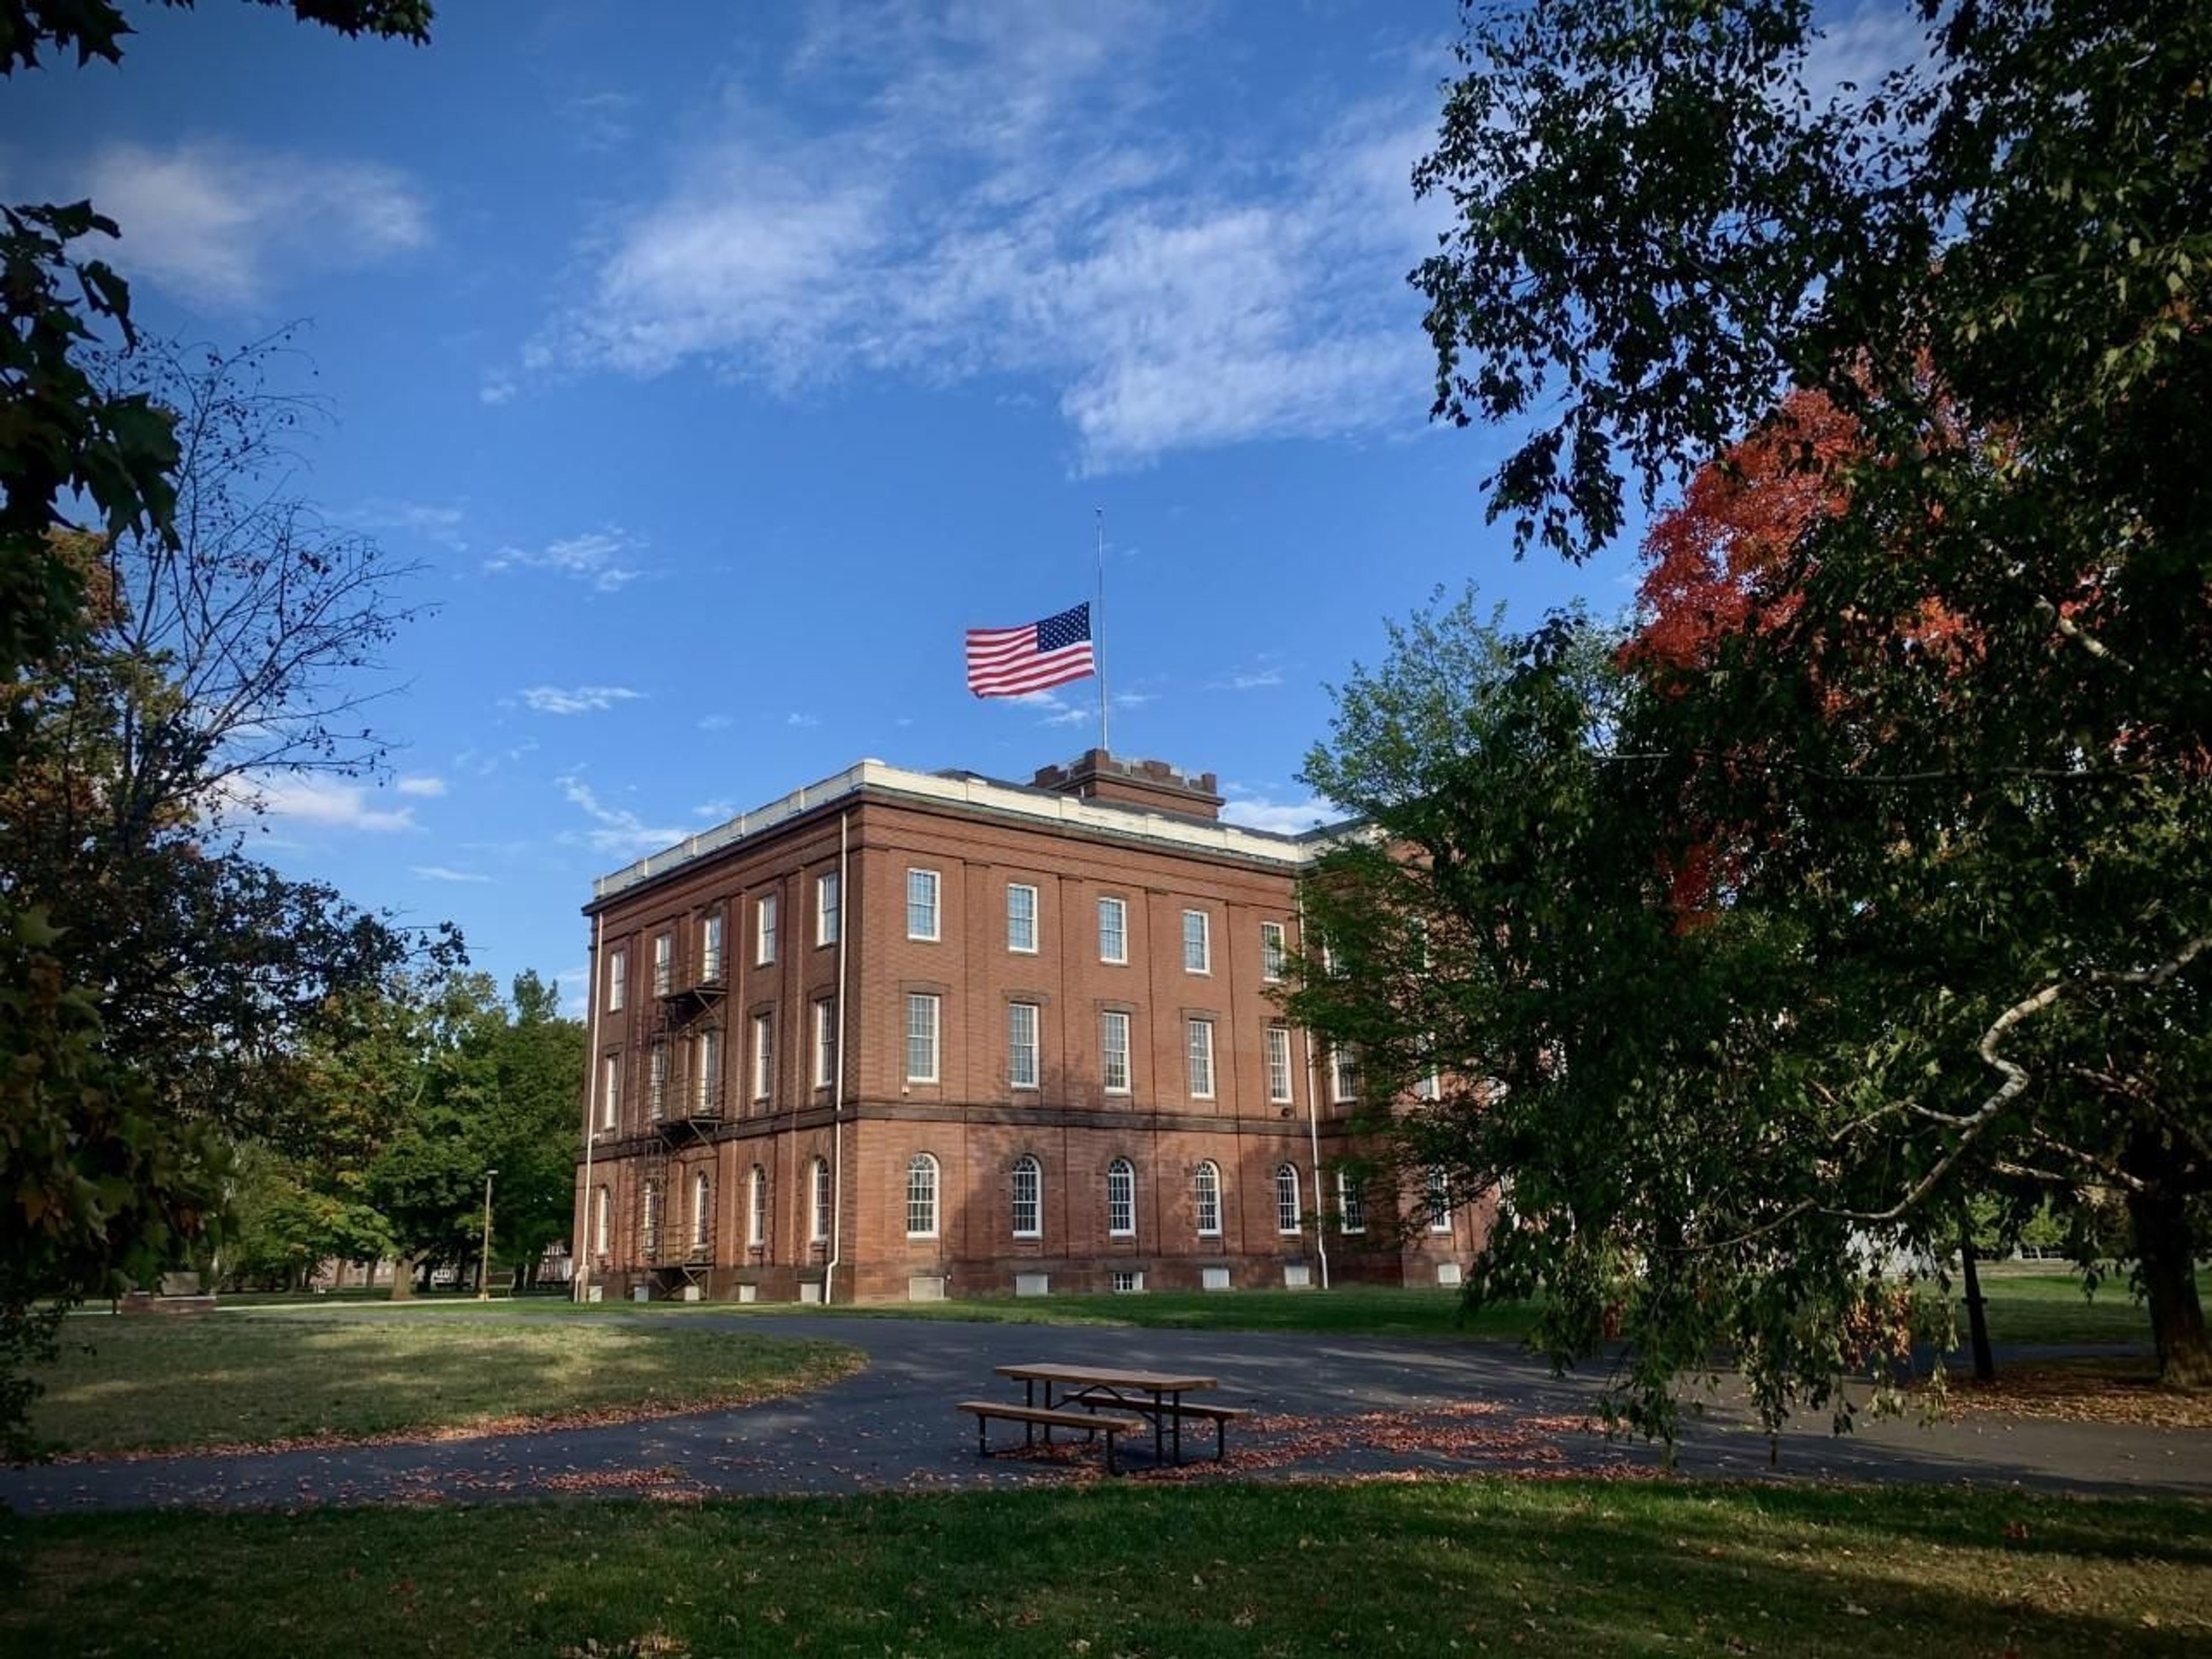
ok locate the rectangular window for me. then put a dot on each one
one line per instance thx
(656, 1093)
(710, 949)
(921, 904)
(757, 1209)
(1344, 1074)
(1437, 1199)
(1279, 1065)
(664, 964)
(1113, 1050)
(1022, 1045)
(1199, 1046)
(1021, 918)
(764, 930)
(1113, 930)
(611, 1094)
(921, 1038)
(825, 1042)
(1128, 1283)
(710, 1072)
(827, 919)
(1351, 1203)
(618, 972)
(1028, 1197)
(1197, 942)
(821, 1202)
(763, 1055)
(1271, 951)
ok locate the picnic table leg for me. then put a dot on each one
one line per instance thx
(1178, 1428)
(1029, 1398)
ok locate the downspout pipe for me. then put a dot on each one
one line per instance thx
(1313, 1122)
(581, 1281)
(837, 1091)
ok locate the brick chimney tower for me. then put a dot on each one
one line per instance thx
(1147, 784)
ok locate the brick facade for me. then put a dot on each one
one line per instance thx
(1103, 828)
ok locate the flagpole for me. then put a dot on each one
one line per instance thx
(1099, 631)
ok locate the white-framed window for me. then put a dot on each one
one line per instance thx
(1114, 1051)
(1113, 930)
(818, 1179)
(764, 930)
(1127, 1281)
(1197, 1046)
(1351, 1202)
(1437, 1199)
(921, 904)
(1206, 1195)
(1279, 1065)
(921, 1010)
(756, 1209)
(1028, 1198)
(708, 1085)
(656, 1088)
(710, 948)
(1022, 1045)
(617, 977)
(611, 1093)
(1272, 950)
(1197, 942)
(1288, 1215)
(1120, 1199)
(825, 1042)
(600, 1210)
(649, 1218)
(828, 917)
(921, 1196)
(702, 1198)
(763, 1055)
(1343, 1074)
(664, 964)
(1021, 918)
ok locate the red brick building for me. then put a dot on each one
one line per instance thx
(906, 1034)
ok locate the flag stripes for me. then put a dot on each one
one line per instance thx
(1008, 662)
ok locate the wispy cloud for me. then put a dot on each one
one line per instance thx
(326, 802)
(429, 788)
(1283, 817)
(579, 700)
(616, 831)
(1053, 709)
(1001, 199)
(605, 559)
(434, 521)
(801, 720)
(717, 722)
(1264, 672)
(222, 226)
(441, 872)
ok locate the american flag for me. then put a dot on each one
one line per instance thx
(1006, 662)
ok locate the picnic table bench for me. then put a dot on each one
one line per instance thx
(1157, 1396)
(1031, 1417)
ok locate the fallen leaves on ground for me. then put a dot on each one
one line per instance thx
(2080, 1391)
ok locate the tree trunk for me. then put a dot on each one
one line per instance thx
(403, 1279)
(2166, 1253)
(1978, 1319)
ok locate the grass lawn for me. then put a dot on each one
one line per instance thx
(251, 1377)
(1429, 1570)
(2037, 1305)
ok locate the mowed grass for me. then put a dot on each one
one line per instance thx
(2035, 1307)
(245, 1378)
(1435, 1569)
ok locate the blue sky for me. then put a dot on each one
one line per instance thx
(722, 365)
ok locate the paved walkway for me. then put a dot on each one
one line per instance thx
(1326, 1404)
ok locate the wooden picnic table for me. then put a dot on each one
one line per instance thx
(1093, 1386)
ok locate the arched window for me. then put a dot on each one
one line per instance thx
(1437, 1199)
(1120, 1199)
(821, 1183)
(1287, 1215)
(757, 1209)
(1029, 1198)
(600, 1221)
(702, 1195)
(1206, 1189)
(921, 1197)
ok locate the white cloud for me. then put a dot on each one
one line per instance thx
(581, 700)
(1283, 817)
(716, 722)
(329, 803)
(428, 787)
(434, 521)
(1860, 49)
(441, 872)
(1053, 709)
(802, 721)
(221, 225)
(604, 558)
(497, 387)
(619, 832)
(1000, 199)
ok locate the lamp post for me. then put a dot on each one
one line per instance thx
(484, 1266)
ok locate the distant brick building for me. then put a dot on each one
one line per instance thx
(907, 1035)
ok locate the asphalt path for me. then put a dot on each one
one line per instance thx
(1324, 1405)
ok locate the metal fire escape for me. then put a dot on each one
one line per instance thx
(683, 1105)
